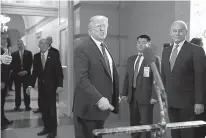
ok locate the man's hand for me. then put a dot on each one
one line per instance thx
(153, 101)
(2, 85)
(28, 90)
(6, 59)
(199, 108)
(59, 90)
(104, 104)
(22, 73)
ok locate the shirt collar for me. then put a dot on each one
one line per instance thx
(96, 41)
(180, 44)
(21, 51)
(45, 53)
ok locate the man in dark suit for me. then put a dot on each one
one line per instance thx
(5, 61)
(47, 68)
(182, 75)
(138, 88)
(21, 66)
(97, 81)
(50, 41)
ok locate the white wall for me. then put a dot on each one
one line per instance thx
(50, 29)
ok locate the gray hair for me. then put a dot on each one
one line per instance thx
(180, 22)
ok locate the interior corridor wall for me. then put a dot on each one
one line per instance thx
(50, 29)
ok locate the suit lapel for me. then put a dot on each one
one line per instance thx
(168, 53)
(180, 56)
(39, 60)
(48, 59)
(99, 55)
(141, 68)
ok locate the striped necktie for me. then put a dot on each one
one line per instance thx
(173, 56)
(106, 58)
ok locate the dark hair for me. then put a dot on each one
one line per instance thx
(196, 41)
(144, 36)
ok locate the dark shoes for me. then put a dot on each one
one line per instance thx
(28, 108)
(16, 109)
(6, 124)
(43, 132)
(52, 135)
(37, 111)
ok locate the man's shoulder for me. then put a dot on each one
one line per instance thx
(54, 49)
(37, 54)
(84, 44)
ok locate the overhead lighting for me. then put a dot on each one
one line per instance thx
(4, 19)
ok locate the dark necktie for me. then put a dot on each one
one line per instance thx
(106, 57)
(136, 70)
(21, 57)
(173, 56)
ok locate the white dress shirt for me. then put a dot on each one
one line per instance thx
(98, 43)
(45, 55)
(140, 62)
(179, 47)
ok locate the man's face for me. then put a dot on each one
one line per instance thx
(141, 44)
(178, 32)
(43, 45)
(99, 29)
(20, 44)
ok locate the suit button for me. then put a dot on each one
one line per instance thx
(42, 80)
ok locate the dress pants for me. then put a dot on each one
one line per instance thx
(83, 128)
(48, 109)
(4, 120)
(140, 114)
(181, 115)
(18, 81)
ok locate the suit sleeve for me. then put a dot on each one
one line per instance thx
(126, 81)
(81, 69)
(154, 94)
(30, 62)
(34, 73)
(59, 72)
(198, 64)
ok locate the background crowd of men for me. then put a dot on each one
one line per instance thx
(46, 68)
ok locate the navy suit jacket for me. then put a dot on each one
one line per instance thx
(93, 82)
(184, 85)
(144, 89)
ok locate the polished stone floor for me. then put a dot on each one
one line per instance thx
(27, 124)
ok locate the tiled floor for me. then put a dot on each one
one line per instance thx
(27, 124)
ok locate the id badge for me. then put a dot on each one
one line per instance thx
(146, 72)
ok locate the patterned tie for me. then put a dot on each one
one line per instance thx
(136, 70)
(173, 56)
(106, 57)
(43, 60)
